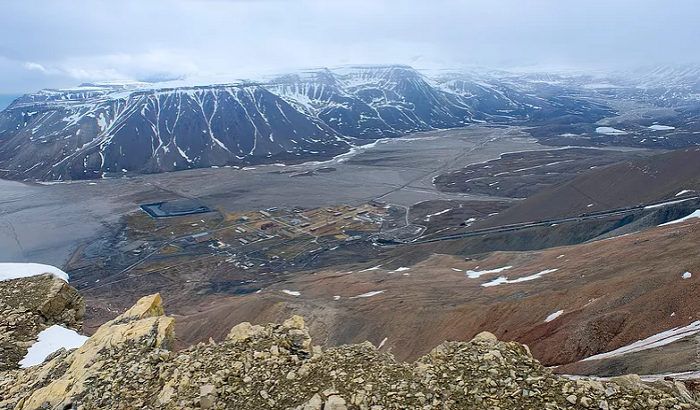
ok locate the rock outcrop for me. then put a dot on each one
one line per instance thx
(128, 364)
(30, 305)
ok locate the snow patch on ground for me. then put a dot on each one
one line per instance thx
(599, 86)
(51, 340)
(687, 275)
(369, 294)
(473, 274)
(694, 215)
(661, 205)
(685, 191)
(24, 270)
(427, 218)
(503, 279)
(609, 131)
(554, 316)
(371, 269)
(658, 127)
(651, 342)
(292, 292)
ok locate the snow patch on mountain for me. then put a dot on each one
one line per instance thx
(504, 280)
(51, 340)
(693, 215)
(369, 294)
(609, 131)
(554, 316)
(427, 217)
(472, 274)
(658, 127)
(685, 191)
(651, 342)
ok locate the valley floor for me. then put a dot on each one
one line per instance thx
(46, 223)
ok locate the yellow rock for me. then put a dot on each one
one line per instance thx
(485, 337)
(147, 306)
(243, 331)
(295, 322)
(166, 394)
(144, 322)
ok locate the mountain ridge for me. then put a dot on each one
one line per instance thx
(110, 129)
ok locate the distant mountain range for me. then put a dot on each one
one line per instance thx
(107, 129)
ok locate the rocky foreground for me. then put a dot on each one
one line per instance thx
(128, 364)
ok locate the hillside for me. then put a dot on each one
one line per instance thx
(611, 293)
(631, 183)
(129, 363)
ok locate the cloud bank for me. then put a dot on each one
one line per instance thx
(61, 44)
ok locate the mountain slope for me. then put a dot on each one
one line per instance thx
(90, 131)
(98, 130)
(632, 183)
(373, 102)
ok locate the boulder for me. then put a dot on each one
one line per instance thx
(143, 324)
(30, 305)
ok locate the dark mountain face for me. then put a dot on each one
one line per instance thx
(84, 135)
(98, 130)
(373, 102)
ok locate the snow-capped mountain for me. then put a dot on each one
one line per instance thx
(92, 130)
(107, 129)
(373, 102)
(662, 85)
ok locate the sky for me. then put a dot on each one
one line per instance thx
(63, 43)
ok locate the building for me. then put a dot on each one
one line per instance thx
(203, 237)
(287, 233)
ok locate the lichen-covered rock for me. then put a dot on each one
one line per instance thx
(66, 378)
(30, 305)
(127, 364)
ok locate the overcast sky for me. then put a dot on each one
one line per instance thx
(62, 43)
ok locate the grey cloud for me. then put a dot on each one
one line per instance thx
(62, 43)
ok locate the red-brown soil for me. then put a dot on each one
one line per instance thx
(612, 292)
